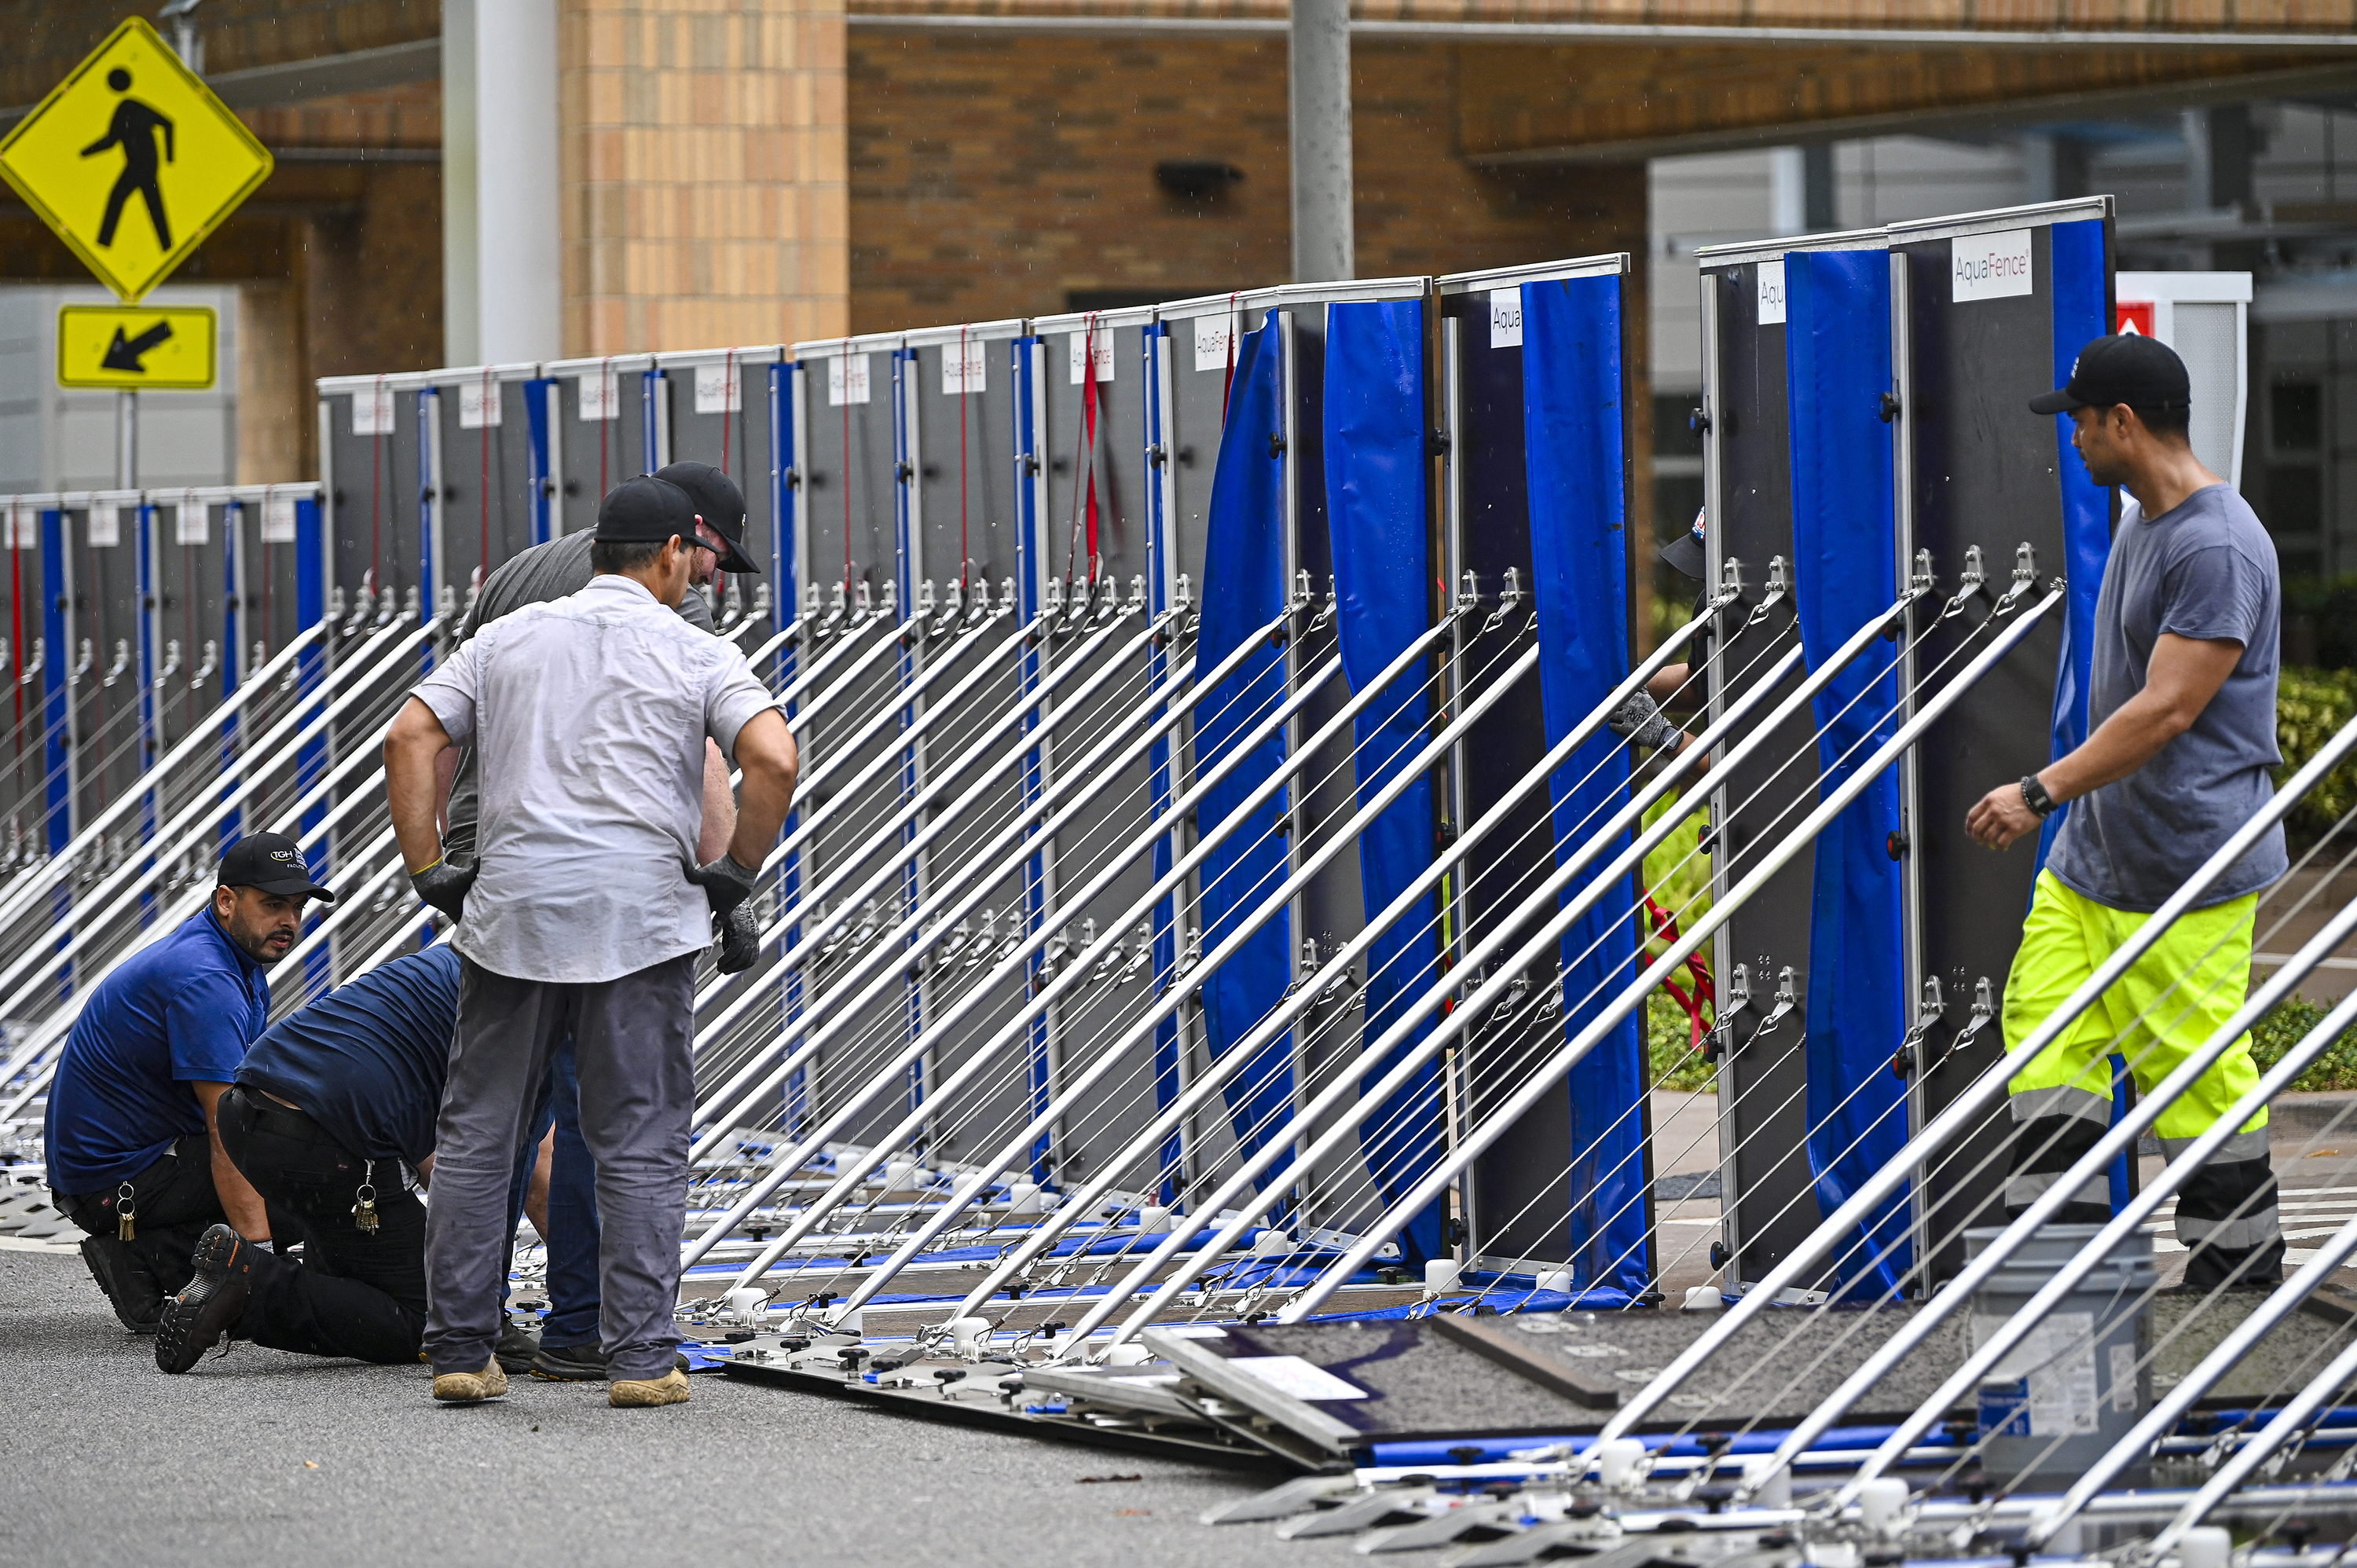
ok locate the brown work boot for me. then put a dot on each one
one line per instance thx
(626, 1393)
(471, 1388)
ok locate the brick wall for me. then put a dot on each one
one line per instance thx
(702, 162)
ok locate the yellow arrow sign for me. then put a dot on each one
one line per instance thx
(168, 346)
(133, 160)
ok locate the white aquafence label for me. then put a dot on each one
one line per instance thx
(1215, 338)
(1772, 293)
(966, 369)
(1076, 357)
(372, 412)
(847, 379)
(278, 520)
(600, 393)
(192, 523)
(23, 528)
(478, 404)
(103, 527)
(1989, 266)
(718, 389)
(1505, 318)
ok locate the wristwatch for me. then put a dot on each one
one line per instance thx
(2034, 796)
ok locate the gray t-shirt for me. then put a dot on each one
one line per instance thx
(2206, 571)
(556, 570)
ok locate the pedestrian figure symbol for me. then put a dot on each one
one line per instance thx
(133, 129)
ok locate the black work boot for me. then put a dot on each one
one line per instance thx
(131, 1286)
(195, 1320)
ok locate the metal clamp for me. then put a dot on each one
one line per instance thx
(1971, 583)
(1928, 1013)
(1510, 599)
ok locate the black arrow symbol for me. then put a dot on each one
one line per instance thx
(122, 355)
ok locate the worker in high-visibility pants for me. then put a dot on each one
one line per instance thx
(2180, 701)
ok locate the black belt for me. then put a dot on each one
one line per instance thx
(280, 1120)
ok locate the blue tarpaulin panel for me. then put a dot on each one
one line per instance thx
(1573, 434)
(1375, 470)
(1838, 366)
(2080, 287)
(1243, 590)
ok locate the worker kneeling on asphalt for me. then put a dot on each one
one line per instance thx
(2181, 698)
(584, 913)
(134, 1156)
(329, 1106)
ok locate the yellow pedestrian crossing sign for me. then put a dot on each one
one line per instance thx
(161, 346)
(133, 160)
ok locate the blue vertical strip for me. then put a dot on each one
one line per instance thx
(1160, 573)
(56, 686)
(1838, 366)
(57, 698)
(1575, 442)
(2082, 287)
(537, 396)
(904, 461)
(311, 761)
(1243, 589)
(1375, 516)
(650, 444)
(1030, 572)
(785, 603)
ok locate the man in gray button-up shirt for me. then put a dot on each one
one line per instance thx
(584, 910)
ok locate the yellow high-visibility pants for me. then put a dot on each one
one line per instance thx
(2171, 1001)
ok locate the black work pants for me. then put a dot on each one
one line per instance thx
(173, 1201)
(355, 1293)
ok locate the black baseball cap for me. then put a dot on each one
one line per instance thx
(274, 863)
(1684, 553)
(719, 502)
(645, 510)
(2128, 367)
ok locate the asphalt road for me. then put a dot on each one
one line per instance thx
(261, 1457)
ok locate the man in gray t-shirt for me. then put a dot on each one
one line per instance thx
(2181, 705)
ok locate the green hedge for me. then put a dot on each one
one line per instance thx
(2310, 704)
(2284, 1027)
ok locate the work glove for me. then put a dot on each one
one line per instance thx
(1641, 719)
(740, 938)
(444, 886)
(725, 883)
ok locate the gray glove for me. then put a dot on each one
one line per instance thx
(725, 883)
(740, 938)
(1641, 719)
(444, 886)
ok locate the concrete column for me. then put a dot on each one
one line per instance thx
(1318, 84)
(1801, 189)
(519, 241)
(462, 308)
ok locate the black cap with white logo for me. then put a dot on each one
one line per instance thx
(273, 863)
(1684, 553)
(2128, 367)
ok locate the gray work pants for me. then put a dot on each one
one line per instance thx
(633, 1044)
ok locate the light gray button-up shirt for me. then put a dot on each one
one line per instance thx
(589, 714)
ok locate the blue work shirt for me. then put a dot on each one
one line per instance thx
(179, 1011)
(367, 1061)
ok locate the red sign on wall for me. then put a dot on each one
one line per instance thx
(2136, 315)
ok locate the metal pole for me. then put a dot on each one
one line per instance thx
(127, 441)
(1317, 88)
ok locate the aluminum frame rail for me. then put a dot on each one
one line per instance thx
(1965, 1110)
(1081, 964)
(723, 1125)
(1299, 1000)
(190, 832)
(906, 841)
(1502, 1116)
